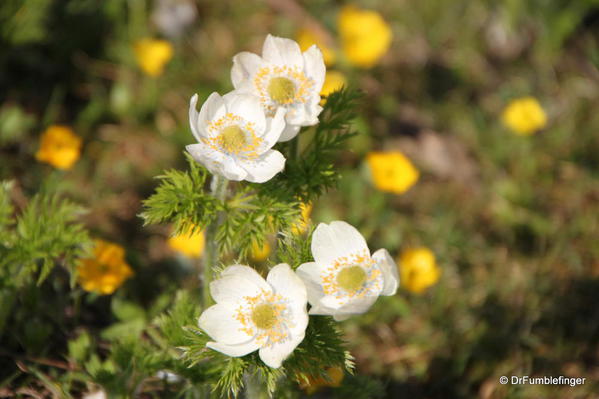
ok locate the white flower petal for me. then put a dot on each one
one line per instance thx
(232, 171)
(274, 128)
(234, 350)
(313, 110)
(193, 118)
(212, 109)
(311, 274)
(233, 288)
(248, 273)
(212, 160)
(264, 167)
(248, 107)
(282, 51)
(321, 310)
(331, 305)
(285, 282)
(274, 355)
(335, 240)
(245, 65)
(314, 66)
(289, 132)
(296, 115)
(220, 323)
(333, 302)
(390, 274)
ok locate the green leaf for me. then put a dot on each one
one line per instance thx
(181, 199)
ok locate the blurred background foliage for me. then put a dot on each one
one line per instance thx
(512, 219)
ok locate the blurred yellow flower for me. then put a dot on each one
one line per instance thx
(260, 253)
(189, 244)
(301, 225)
(307, 37)
(365, 36)
(59, 147)
(524, 116)
(333, 81)
(106, 270)
(152, 55)
(392, 171)
(335, 375)
(418, 269)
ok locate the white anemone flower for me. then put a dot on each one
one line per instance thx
(256, 314)
(235, 138)
(283, 77)
(344, 278)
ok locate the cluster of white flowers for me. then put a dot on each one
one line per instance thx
(271, 316)
(275, 95)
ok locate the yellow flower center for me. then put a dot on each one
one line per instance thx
(282, 90)
(264, 316)
(351, 278)
(232, 138)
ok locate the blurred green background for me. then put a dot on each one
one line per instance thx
(512, 220)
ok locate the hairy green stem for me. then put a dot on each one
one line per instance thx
(219, 191)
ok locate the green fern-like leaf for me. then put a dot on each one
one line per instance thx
(45, 232)
(181, 199)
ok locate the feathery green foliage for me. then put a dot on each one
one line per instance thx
(295, 249)
(181, 199)
(45, 232)
(250, 216)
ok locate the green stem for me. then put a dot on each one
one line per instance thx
(211, 255)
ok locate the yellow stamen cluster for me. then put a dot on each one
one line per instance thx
(282, 90)
(262, 317)
(233, 135)
(351, 276)
(232, 138)
(281, 85)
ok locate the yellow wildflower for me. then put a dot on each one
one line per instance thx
(365, 36)
(189, 244)
(59, 147)
(106, 270)
(418, 269)
(307, 37)
(260, 253)
(152, 55)
(301, 225)
(335, 375)
(524, 116)
(333, 82)
(392, 171)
